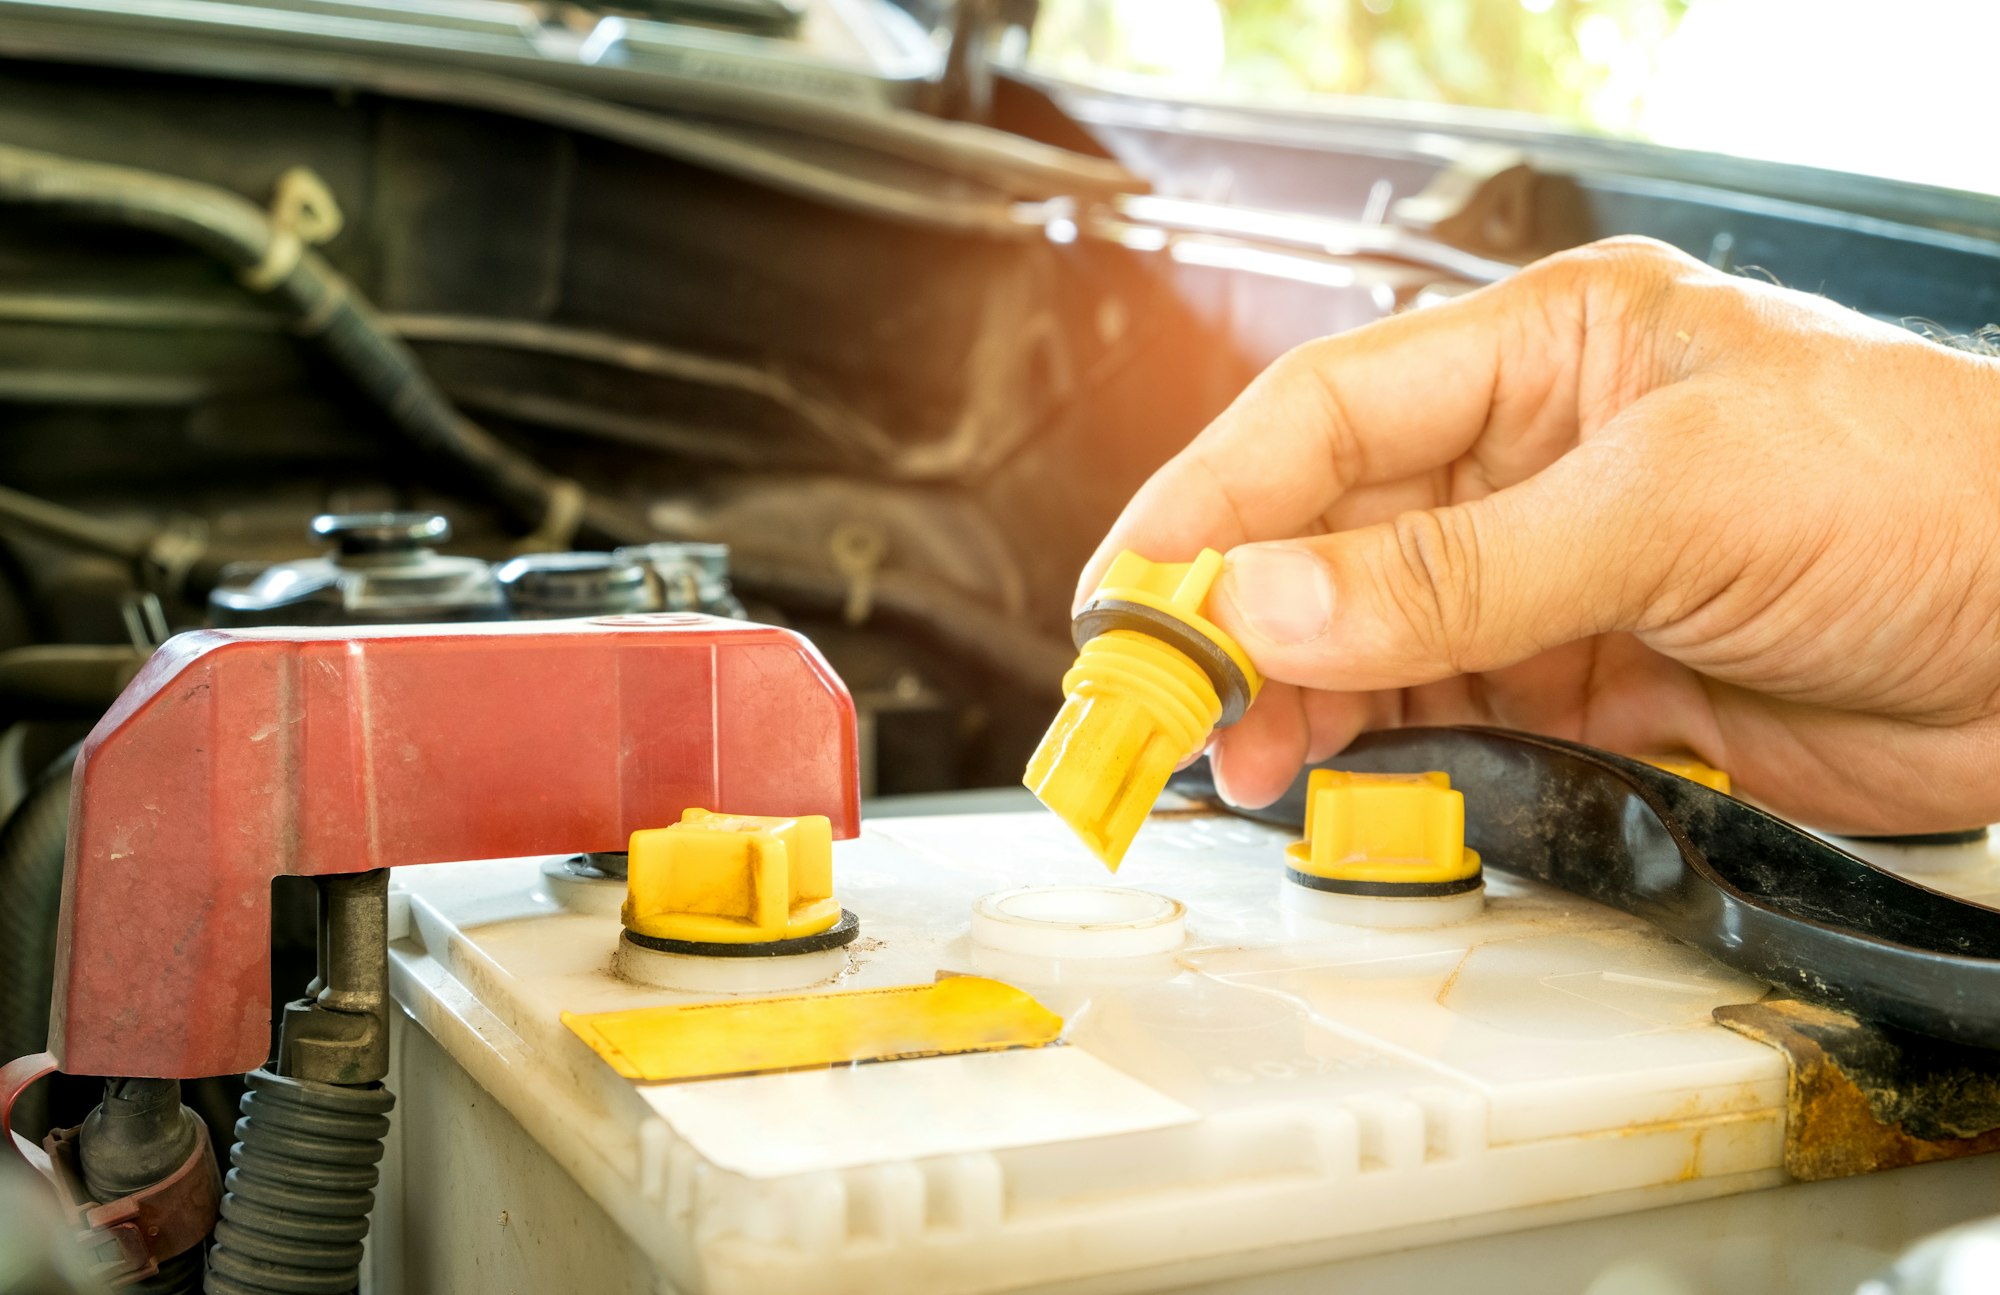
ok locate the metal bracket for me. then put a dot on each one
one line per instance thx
(323, 752)
(339, 1032)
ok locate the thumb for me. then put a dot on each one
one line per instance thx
(1571, 552)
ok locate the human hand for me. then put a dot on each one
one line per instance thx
(1625, 499)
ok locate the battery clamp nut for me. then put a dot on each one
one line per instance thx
(1153, 678)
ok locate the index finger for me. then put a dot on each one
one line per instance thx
(1385, 401)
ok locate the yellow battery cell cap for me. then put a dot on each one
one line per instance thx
(1153, 678)
(731, 879)
(1384, 834)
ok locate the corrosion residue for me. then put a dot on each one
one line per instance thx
(1862, 1097)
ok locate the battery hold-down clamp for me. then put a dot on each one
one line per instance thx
(239, 756)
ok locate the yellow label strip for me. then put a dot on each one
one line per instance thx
(808, 1031)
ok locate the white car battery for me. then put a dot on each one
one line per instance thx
(1243, 1095)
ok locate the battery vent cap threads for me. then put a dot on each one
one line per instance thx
(1375, 842)
(734, 885)
(1153, 678)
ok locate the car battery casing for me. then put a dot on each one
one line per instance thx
(1535, 1099)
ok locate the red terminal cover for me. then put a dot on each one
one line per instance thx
(238, 756)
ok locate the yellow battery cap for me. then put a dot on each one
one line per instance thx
(1399, 835)
(731, 879)
(1690, 768)
(1153, 678)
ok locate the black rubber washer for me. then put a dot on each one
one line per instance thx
(600, 865)
(1106, 614)
(841, 933)
(1386, 889)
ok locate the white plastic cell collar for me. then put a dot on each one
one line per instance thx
(1079, 922)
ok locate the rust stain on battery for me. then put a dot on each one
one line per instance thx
(1861, 1097)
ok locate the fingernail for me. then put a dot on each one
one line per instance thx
(1280, 593)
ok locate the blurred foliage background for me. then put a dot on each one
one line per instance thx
(1586, 62)
(1898, 88)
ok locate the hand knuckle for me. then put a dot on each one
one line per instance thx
(1297, 367)
(1435, 583)
(1634, 264)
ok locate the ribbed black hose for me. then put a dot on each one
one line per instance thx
(179, 1275)
(31, 867)
(301, 1187)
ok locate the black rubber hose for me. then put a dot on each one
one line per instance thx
(331, 312)
(137, 1137)
(348, 329)
(64, 680)
(76, 530)
(302, 1183)
(328, 308)
(31, 868)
